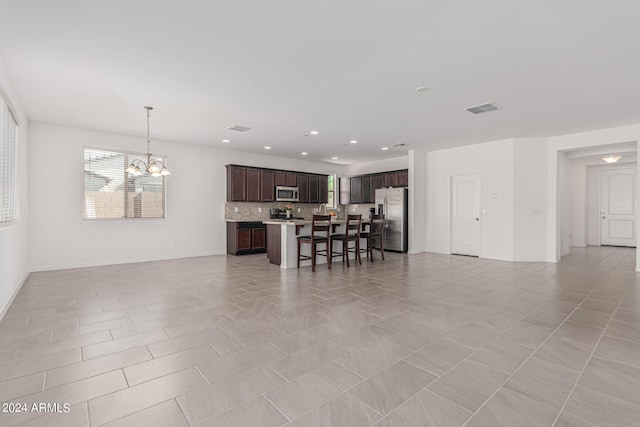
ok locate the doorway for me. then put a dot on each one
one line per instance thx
(617, 207)
(465, 214)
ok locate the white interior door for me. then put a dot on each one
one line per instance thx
(618, 212)
(465, 215)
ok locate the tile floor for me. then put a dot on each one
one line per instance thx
(427, 339)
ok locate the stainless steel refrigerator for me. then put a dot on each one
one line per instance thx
(393, 203)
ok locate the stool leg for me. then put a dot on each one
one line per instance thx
(382, 247)
(298, 253)
(358, 251)
(328, 256)
(313, 256)
(345, 250)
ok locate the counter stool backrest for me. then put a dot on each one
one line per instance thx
(377, 225)
(354, 224)
(320, 224)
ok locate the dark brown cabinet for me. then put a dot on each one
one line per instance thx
(236, 183)
(267, 185)
(391, 179)
(246, 238)
(292, 179)
(403, 178)
(253, 185)
(356, 189)
(367, 189)
(314, 189)
(377, 182)
(303, 188)
(324, 189)
(280, 178)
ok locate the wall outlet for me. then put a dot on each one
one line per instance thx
(298, 210)
(259, 210)
(235, 209)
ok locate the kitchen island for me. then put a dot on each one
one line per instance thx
(282, 244)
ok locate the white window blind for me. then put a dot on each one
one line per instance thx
(8, 166)
(111, 193)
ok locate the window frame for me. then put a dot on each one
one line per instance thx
(161, 157)
(335, 203)
(15, 218)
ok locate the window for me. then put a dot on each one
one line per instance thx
(331, 199)
(8, 166)
(111, 193)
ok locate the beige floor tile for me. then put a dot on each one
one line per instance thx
(362, 337)
(121, 344)
(473, 335)
(218, 369)
(590, 317)
(419, 336)
(622, 351)
(590, 408)
(256, 412)
(73, 393)
(116, 405)
(568, 354)
(427, 410)
(374, 358)
(502, 354)
(439, 356)
(78, 416)
(303, 339)
(164, 347)
(65, 344)
(624, 330)
(100, 365)
(543, 381)
(140, 328)
(579, 333)
(341, 411)
(155, 368)
(612, 378)
(302, 394)
(337, 375)
(308, 359)
(164, 414)
(596, 305)
(469, 384)
(23, 386)
(527, 334)
(510, 408)
(25, 367)
(388, 389)
(545, 319)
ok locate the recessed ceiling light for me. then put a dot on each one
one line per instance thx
(267, 148)
(304, 153)
(611, 158)
(226, 141)
(384, 148)
(422, 89)
(334, 158)
(353, 141)
(314, 132)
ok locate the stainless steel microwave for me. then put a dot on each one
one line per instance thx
(286, 194)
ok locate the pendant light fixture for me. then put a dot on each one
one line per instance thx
(150, 167)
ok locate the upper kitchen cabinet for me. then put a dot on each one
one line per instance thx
(292, 179)
(356, 189)
(391, 179)
(403, 178)
(253, 185)
(377, 181)
(303, 188)
(314, 188)
(280, 178)
(368, 193)
(324, 189)
(267, 185)
(236, 183)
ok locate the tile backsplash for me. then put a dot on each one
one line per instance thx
(248, 211)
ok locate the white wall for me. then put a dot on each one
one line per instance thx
(530, 199)
(14, 240)
(417, 201)
(393, 163)
(575, 141)
(495, 162)
(196, 193)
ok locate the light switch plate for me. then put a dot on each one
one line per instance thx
(259, 210)
(236, 209)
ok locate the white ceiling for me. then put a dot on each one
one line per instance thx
(348, 69)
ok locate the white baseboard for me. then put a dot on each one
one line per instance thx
(15, 294)
(123, 261)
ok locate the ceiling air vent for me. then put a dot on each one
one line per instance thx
(400, 146)
(239, 128)
(482, 108)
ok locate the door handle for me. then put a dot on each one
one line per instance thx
(476, 219)
(604, 217)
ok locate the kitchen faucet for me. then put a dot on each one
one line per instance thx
(323, 205)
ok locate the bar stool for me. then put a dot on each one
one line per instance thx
(351, 234)
(376, 232)
(320, 223)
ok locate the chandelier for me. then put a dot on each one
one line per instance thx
(150, 166)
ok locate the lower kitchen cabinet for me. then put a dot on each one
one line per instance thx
(246, 238)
